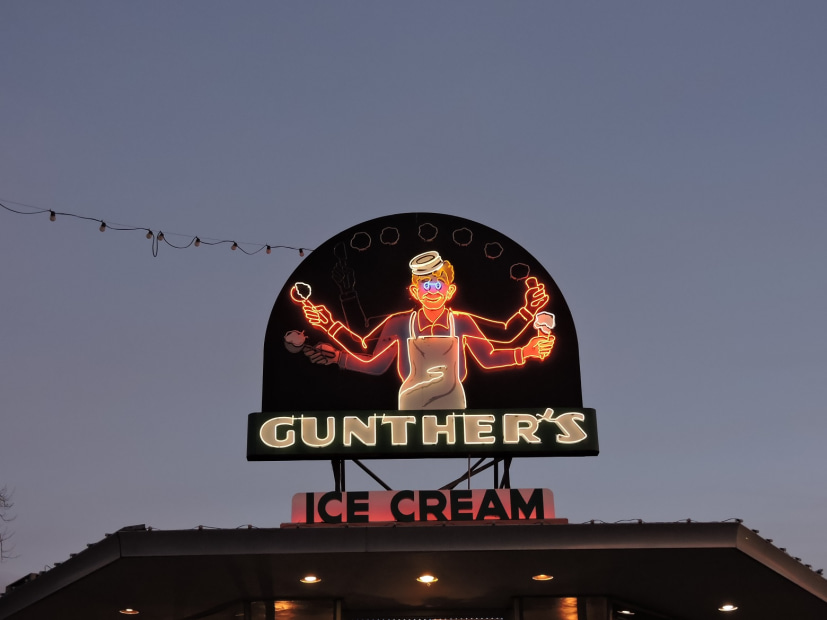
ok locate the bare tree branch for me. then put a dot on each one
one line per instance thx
(5, 517)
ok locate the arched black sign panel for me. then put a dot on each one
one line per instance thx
(415, 313)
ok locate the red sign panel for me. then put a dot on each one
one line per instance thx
(423, 506)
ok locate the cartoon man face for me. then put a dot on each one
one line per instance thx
(432, 292)
(432, 281)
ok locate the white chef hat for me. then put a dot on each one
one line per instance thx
(426, 263)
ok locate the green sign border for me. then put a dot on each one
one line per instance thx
(559, 434)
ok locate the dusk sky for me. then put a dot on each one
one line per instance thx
(665, 162)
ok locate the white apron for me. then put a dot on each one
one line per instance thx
(433, 381)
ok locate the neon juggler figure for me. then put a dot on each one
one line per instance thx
(431, 344)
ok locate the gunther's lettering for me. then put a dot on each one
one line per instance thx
(399, 430)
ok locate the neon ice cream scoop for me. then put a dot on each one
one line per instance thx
(544, 323)
(300, 292)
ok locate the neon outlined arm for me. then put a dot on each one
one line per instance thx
(488, 356)
(373, 354)
(375, 364)
(482, 349)
(520, 320)
(536, 298)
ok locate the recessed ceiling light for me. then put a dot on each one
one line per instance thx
(129, 612)
(626, 612)
(310, 579)
(727, 607)
(542, 577)
(427, 579)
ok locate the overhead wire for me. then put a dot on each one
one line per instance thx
(160, 237)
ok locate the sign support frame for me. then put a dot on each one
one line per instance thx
(340, 486)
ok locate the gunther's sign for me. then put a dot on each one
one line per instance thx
(420, 335)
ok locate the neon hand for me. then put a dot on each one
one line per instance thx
(538, 347)
(545, 346)
(536, 297)
(317, 316)
(322, 353)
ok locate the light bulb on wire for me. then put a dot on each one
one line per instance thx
(151, 235)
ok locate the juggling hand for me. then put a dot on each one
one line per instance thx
(317, 316)
(536, 297)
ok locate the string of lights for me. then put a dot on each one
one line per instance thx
(158, 238)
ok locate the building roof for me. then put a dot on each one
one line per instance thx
(680, 570)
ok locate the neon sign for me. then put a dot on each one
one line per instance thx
(423, 506)
(355, 434)
(417, 335)
(429, 343)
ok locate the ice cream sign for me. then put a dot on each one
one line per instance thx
(420, 335)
